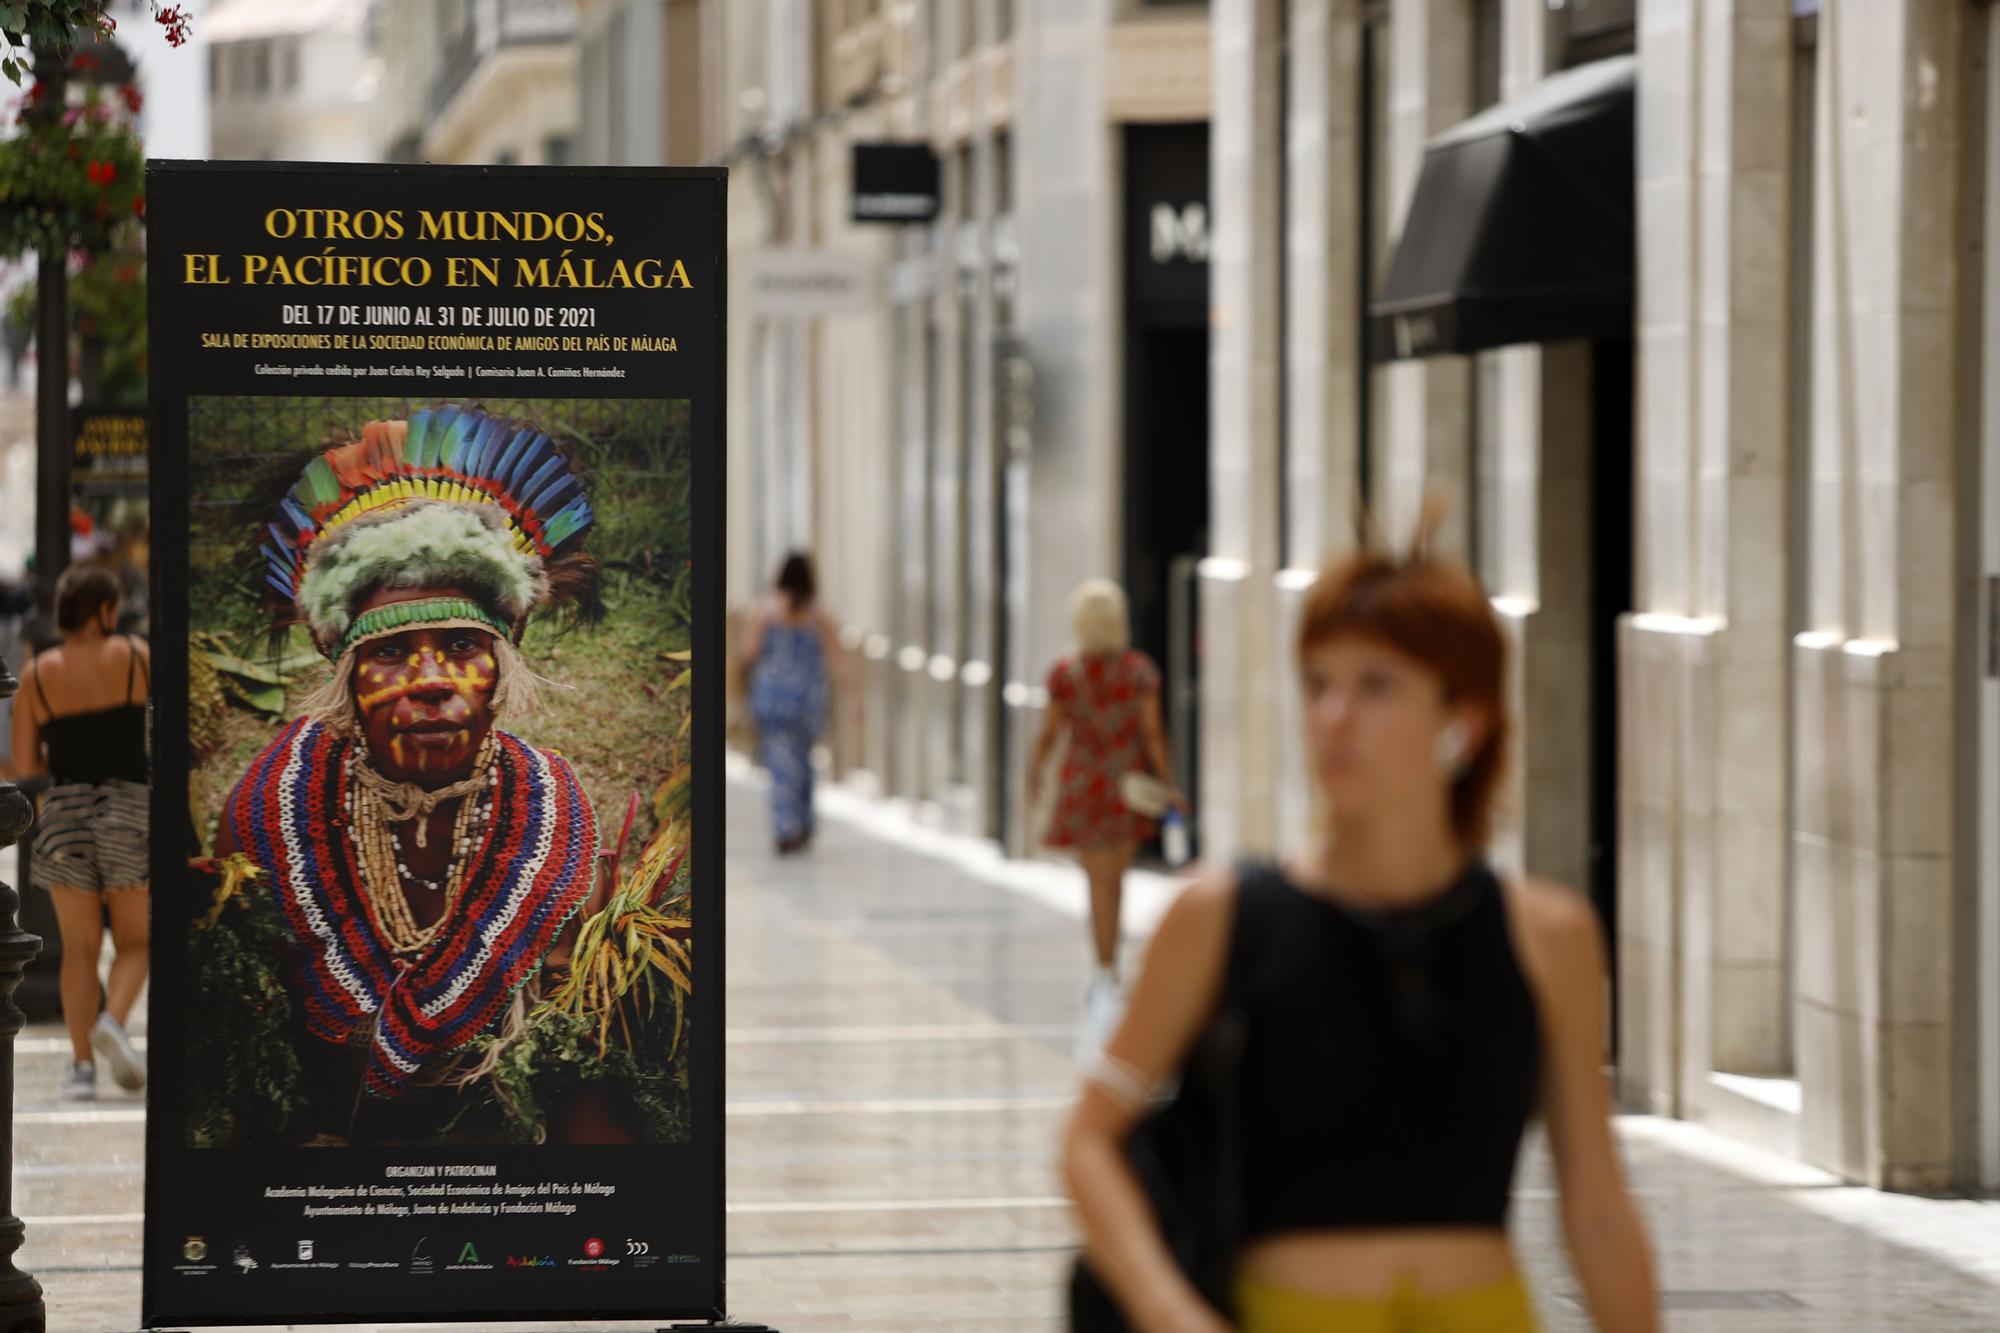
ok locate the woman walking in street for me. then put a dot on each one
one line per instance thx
(1106, 699)
(1404, 1012)
(80, 717)
(790, 649)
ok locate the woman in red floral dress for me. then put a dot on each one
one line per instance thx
(1106, 697)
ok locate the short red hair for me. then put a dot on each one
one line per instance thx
(1433, 610)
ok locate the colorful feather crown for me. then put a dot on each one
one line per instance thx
(450, 497)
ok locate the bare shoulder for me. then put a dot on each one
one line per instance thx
(1555, 929)
(1209, 891)
(1553, 910)
(1200, 915)
(141, 649)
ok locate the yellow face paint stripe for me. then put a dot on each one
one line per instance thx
(367, 702)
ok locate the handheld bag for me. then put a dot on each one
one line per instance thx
(1144, 794)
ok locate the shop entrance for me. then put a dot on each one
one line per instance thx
(1165, 449)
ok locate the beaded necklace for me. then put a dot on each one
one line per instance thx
(373, 815)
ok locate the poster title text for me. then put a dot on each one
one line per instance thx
(566, 263)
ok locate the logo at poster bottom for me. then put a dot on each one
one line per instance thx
(593, 1248)
(195, 1250)
(531, 1261)
(421, 1263)
(468, 1260)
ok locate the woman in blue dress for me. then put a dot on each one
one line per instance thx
(791, 647)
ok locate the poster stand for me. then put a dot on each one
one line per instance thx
(445, 969)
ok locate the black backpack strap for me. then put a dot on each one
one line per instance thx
(1256, 884)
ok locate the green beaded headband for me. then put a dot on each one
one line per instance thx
(427, 611)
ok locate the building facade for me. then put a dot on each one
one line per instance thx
(288, 80)
(474, 81)
(1742, 542)
(647, 75)
(1741, 548)
(956, 445)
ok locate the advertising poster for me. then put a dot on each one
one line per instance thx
(436, 494)
(110, 454)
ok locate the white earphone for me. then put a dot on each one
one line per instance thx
(1451, 749)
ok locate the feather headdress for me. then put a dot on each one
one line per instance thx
(450, 498)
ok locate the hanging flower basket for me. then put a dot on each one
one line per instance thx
(71, 178)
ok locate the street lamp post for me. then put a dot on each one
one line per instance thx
(52, 442)
(21, 1307)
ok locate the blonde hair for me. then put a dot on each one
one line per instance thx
(1098, 614)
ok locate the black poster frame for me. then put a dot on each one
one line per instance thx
(688, 208)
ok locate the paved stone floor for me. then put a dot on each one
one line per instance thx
(900, 1008)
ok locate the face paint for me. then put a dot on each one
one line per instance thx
(425, 698)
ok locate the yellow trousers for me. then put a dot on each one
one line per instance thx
(1494, 1307)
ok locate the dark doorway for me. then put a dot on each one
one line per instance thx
(1165, 448)
(1166, 514)
(1611, 406)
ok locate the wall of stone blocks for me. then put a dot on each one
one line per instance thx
(1873, 835)
(1703, 837)
(1822, 952)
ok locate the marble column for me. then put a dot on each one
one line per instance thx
(1239, 672)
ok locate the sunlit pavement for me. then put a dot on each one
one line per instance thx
(901, 1007)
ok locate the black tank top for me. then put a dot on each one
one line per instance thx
(100, 745)
(1392, 1059)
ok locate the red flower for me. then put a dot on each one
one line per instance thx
(175, 22)
(83, 62)
(101, 173)
(138, 205)
(36, 92)
(133, 99)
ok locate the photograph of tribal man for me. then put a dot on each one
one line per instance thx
(439, 680)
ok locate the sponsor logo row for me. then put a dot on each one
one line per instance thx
(425, 1257)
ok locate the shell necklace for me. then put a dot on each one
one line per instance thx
(373, 811)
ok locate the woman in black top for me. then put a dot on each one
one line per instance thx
(1406, 1011)
(80, 717)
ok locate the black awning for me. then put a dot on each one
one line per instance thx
(1521, 226)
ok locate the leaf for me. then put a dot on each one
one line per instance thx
(668, 966)
(242, 670)
(268, 700)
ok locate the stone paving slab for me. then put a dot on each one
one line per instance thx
(900, 1008)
